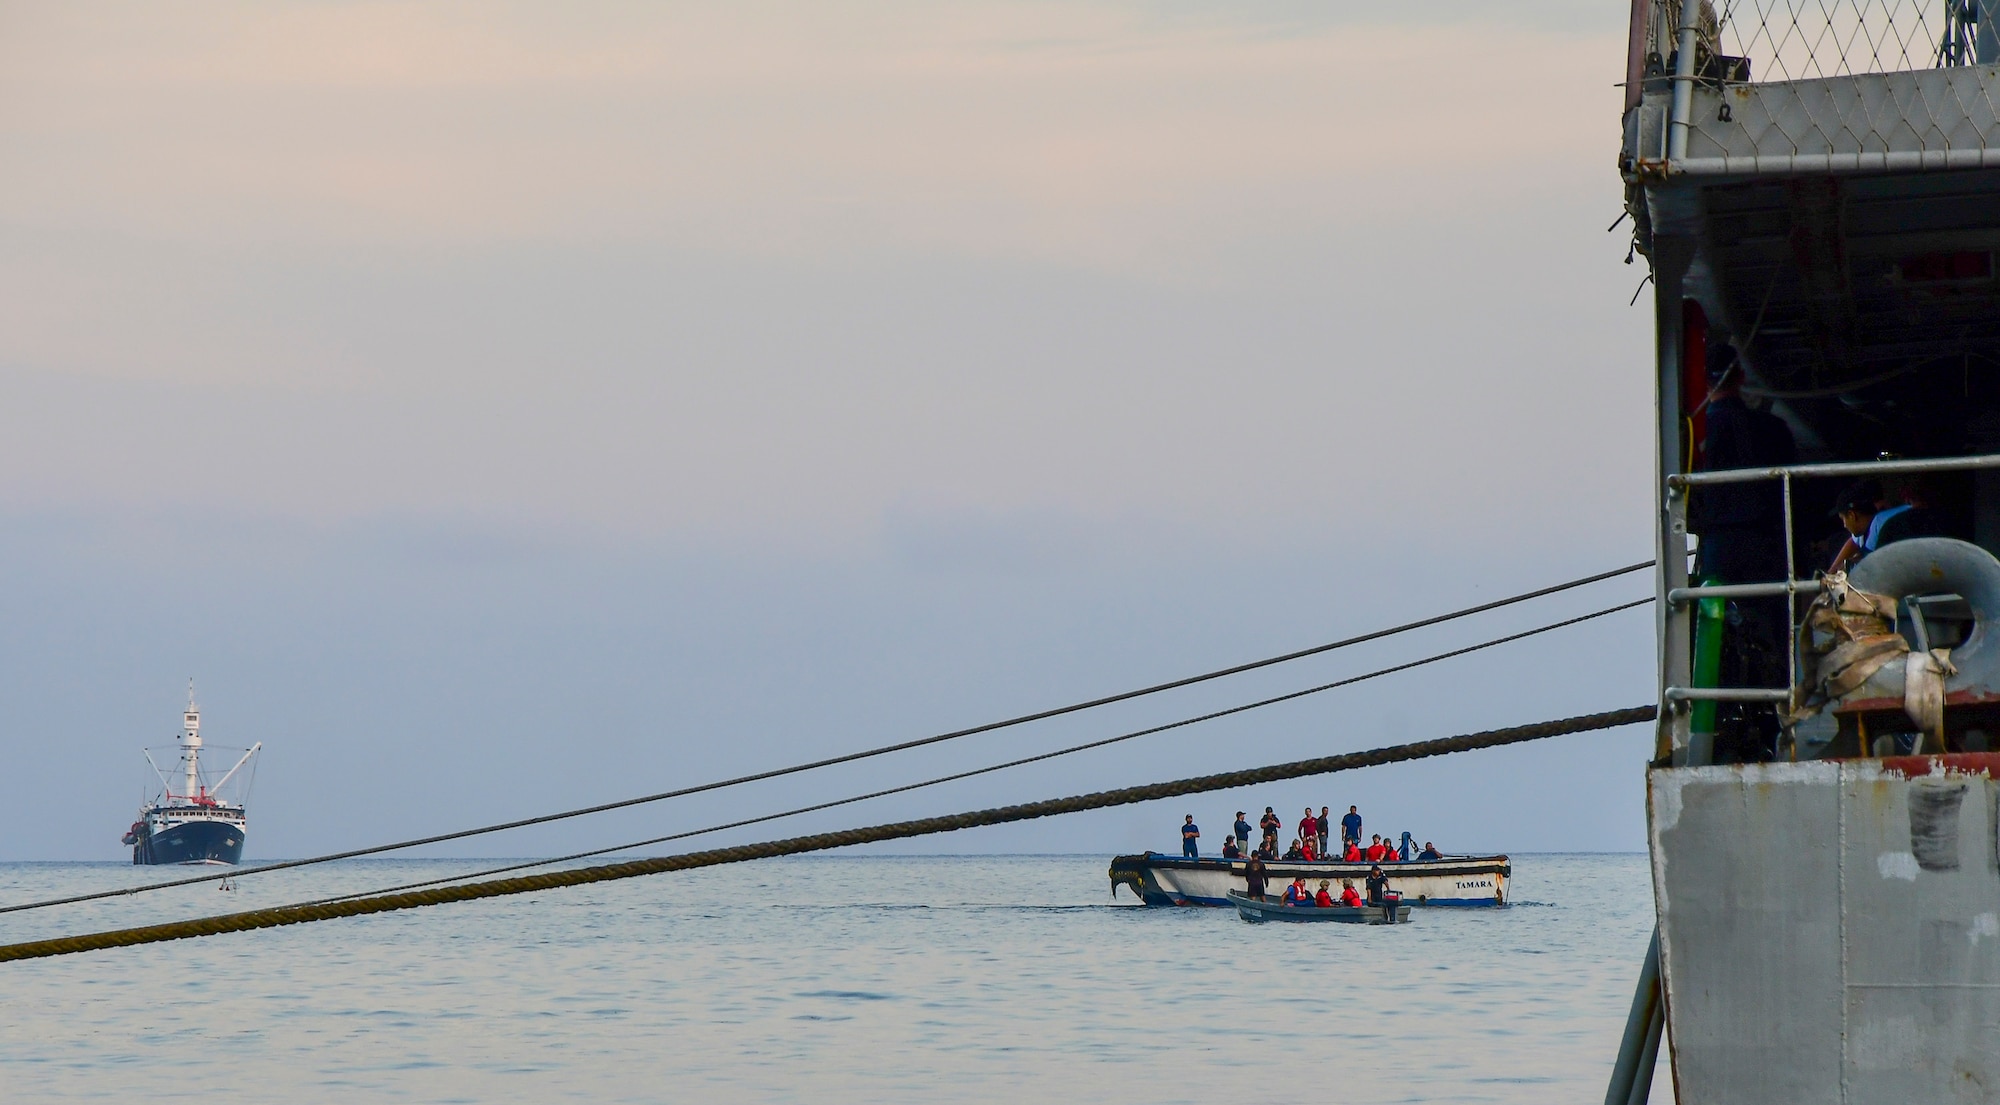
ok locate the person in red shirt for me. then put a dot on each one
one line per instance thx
(1306, 850)
(1353, 854)
(1324, 898)
(1348, 896)
(1308, 825)
(1375, 849)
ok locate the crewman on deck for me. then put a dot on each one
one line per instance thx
(1308, 827)
(1190, 833)
(1230, 850)
(1293, 852)
(1253, 877)
(1377, 883)
(1430, 852)
(1376, 849)
(1242, 828)
(1350, 826)
(1325, 831)
(1270, 823)
(1348, 896)
(1308, 850)
(1324, 898)
(1353, 852)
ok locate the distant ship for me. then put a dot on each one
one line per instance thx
(195, 825)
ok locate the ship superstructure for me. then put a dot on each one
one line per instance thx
(1817, 189)
(201, 822)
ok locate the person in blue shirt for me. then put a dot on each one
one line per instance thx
(1242, 829)
(1350, 827)
(1430, 851)
(1190, 833)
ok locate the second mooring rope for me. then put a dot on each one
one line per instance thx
(898, 830)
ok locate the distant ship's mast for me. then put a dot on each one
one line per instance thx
(191, 745)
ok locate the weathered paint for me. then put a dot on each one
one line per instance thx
(1830, 931)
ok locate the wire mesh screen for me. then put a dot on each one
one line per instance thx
(1832, 85)
(1790, 40)
(1785, 40)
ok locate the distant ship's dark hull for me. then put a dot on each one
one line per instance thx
(191, 842)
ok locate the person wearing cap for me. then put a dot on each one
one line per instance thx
(1856, 507)
(1377, 883)
(1190, 834)
(1324, 898)
(1253, 877)
(1348, 897)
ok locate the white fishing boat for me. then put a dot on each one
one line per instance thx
(1160, 879)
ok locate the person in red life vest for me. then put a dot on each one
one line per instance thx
(1348, 895)
(1376, 849)
(1308, 827)
(1353, 854)
(1323, 899)
(1306, 850)
(1297, 894)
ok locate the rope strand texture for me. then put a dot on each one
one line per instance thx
(899, 830)
(868, 753)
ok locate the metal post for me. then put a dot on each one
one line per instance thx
(1675, 622)
(1632, 1074)
(1791, 623)
(1635, 52)
(1677, 123)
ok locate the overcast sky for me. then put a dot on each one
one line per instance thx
(496, 407)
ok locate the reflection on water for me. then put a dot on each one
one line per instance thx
(823, 979)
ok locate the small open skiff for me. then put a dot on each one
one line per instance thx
(1270, 908)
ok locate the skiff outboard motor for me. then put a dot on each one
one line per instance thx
(1852, 652)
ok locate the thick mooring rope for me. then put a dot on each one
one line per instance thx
(867, 753)
(527, 884)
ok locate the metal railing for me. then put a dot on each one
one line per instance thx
(1676, 685)
(1748, 57)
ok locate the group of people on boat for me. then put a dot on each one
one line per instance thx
(1300, 894)
(1312, 841)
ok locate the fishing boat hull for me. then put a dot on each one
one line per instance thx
(216, 841)
(1275, 909)
(1162, 880)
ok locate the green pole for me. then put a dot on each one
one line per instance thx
(1707, 656)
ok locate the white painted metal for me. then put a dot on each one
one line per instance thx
(1830, 931)
(191, 746)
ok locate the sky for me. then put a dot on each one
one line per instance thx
(500, 407)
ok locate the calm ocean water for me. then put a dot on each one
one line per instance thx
(827, 980)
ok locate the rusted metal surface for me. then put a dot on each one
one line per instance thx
(1830, 931)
